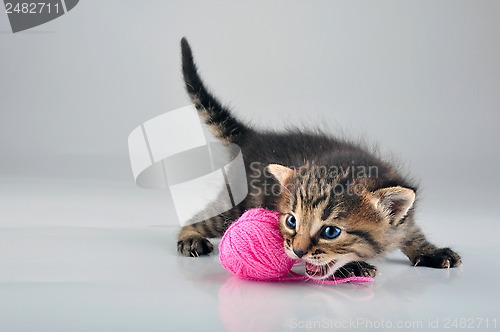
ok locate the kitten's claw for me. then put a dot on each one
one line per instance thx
(443, 258)
(356, 269)
(194, 246)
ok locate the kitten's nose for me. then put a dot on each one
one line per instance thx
(298, 252)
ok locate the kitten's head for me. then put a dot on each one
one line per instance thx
(331, 221)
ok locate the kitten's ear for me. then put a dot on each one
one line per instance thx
(280, 172)
(395, 202)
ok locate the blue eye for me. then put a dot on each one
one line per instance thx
(290, 221)
(330, 232)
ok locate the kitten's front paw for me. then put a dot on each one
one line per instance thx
(441, 258)
(194, 246)
(356, 269)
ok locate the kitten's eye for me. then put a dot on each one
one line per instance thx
(330, 232)
(290, 221)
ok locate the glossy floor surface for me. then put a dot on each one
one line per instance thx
(80, 256)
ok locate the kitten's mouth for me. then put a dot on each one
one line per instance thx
(319, 271)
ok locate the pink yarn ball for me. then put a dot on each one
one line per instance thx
(252, 247)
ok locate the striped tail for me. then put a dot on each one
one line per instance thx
(218, 118)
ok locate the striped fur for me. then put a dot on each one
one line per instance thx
(217, 117)
(290, 172)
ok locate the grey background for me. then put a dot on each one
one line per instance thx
(419, 78)
(82, 247)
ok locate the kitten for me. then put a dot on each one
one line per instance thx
(340, 204)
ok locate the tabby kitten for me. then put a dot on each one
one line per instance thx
(340, 204)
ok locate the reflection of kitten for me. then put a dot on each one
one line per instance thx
(339, 204)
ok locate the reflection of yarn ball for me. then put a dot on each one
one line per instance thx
(252, 247)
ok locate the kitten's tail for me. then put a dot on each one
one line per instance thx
(220, 121)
